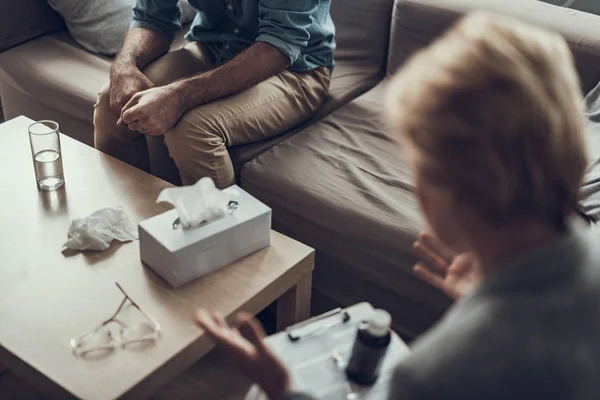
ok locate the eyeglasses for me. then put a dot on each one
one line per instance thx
(102, 337)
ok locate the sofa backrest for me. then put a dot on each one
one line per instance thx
(23, 20)
(415, 23)
(362, 31)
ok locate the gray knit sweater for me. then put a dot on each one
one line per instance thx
(532, 331)
(590, 190)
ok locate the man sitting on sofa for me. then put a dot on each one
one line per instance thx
(253, 69)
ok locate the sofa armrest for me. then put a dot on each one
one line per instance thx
(24, 20)
(415, 23)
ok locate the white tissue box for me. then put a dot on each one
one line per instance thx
(182, 255)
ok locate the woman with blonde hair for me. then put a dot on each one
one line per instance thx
(490, 118)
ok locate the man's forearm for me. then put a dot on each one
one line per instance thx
(252, 66)
(141, 46)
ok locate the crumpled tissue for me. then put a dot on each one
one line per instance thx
(198, 203)
(98, 230)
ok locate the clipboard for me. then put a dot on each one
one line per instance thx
(315, 352)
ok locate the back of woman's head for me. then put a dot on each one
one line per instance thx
(493, 110)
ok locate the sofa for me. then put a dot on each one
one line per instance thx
(337, 183)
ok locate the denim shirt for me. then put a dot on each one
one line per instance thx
(300, 29)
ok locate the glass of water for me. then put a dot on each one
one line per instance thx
(45, 149)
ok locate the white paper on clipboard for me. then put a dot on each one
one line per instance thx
(311, 363)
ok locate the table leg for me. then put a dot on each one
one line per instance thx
(294, 305)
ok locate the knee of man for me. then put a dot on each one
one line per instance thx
(157, 75)
(195, 133)
(104, 116)
(105, 119)
(103, 99)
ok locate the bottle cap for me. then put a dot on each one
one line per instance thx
(380, 323)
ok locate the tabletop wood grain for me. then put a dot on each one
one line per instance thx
(47, 297)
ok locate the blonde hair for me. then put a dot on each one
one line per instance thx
(493, 110)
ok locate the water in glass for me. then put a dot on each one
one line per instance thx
(44, 139)
(48, 169)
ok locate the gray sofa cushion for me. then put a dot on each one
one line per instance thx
(100, 26)
(342, 186)
(23, 20)
(362, 32)
(415, 23)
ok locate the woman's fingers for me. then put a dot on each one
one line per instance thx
(208, 323)
(426, 275)
(219, 320)
(438, 247)
(431, 258)
(216, 327)
(252, 331)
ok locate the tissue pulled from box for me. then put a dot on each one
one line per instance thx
(198, 203)
(98, 230)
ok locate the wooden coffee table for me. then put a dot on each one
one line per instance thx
(47, 297)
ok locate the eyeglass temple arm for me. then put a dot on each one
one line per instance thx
(151, 319)
(126, 295)
(121, 306)
(116, 312)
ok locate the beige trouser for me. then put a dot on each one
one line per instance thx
(198, 142)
